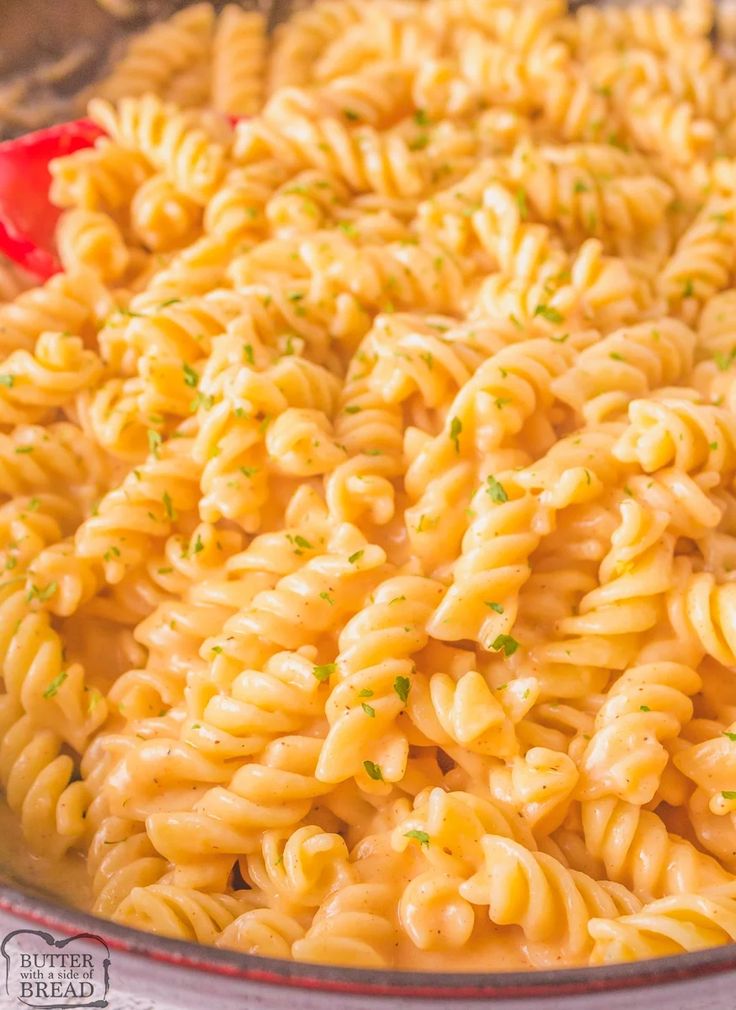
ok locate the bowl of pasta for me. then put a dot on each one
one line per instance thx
(365, 634)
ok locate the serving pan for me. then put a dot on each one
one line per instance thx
(153, 973)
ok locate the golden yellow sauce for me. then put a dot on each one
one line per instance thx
(65, 879)
(498, 948)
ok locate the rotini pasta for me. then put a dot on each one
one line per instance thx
(367, 509)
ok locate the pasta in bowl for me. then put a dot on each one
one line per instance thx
(368, 478)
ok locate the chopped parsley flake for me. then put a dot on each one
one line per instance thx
(549, 313)
(55, 684)
(505, 643)
(402, 686)
(154, 442)
(496, 490)
(373, 771)
(724, 361)
(456, 427)
(203, 400)
(323, 672)
(420, 836)
(42, 595)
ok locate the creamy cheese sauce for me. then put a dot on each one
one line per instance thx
(498, 948)
(64, 879)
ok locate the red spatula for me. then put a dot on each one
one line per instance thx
(27, 217)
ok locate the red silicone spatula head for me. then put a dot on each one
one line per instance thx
(27, 217)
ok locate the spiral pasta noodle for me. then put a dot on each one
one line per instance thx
(154, 57)
(239, 61)
(72, 303)
(354, 927)
(534, 891)
(671, 925)
(177, 912)
(646, 706)
(264, 931)
(167, 139)
(366, 159)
